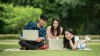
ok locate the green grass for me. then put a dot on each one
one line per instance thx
(16, 36)
(95, 46)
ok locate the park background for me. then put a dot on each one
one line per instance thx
(83, 16)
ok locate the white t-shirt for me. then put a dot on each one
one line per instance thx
(76, 38)
(80, 45)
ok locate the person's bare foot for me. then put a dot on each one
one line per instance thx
(87, 38)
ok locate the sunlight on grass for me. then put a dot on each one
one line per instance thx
(8, 43)
(95, 46)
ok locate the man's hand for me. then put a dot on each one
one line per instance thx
(39, 40)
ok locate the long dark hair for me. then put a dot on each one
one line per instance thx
(58, 28)
(65, 41)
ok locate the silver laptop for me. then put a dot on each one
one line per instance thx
(30, 35)
(55, 44)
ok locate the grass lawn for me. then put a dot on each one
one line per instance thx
(95, 46)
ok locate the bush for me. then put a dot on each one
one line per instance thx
(17, 17)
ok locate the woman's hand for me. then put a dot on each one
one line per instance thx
(68, 38)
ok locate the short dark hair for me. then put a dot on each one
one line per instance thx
(44, 17)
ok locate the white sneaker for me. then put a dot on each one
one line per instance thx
(87, 38)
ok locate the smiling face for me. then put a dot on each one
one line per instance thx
(55, 24)
(42, 22)
(67, 35)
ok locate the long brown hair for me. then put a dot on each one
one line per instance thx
(58, 28)
(65, 41)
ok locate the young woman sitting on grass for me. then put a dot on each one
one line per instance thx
(72, 42)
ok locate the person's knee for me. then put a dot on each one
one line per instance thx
(21, 41)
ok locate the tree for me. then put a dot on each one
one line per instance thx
(81, 15)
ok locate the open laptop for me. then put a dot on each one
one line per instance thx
(55, 44)
(30, 35)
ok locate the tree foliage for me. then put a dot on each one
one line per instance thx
(17, 17)
(80, 15)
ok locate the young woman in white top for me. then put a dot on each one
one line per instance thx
(72, 42)
(54, 31)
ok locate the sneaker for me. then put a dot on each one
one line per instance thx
(87, 38)
(22, 48)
